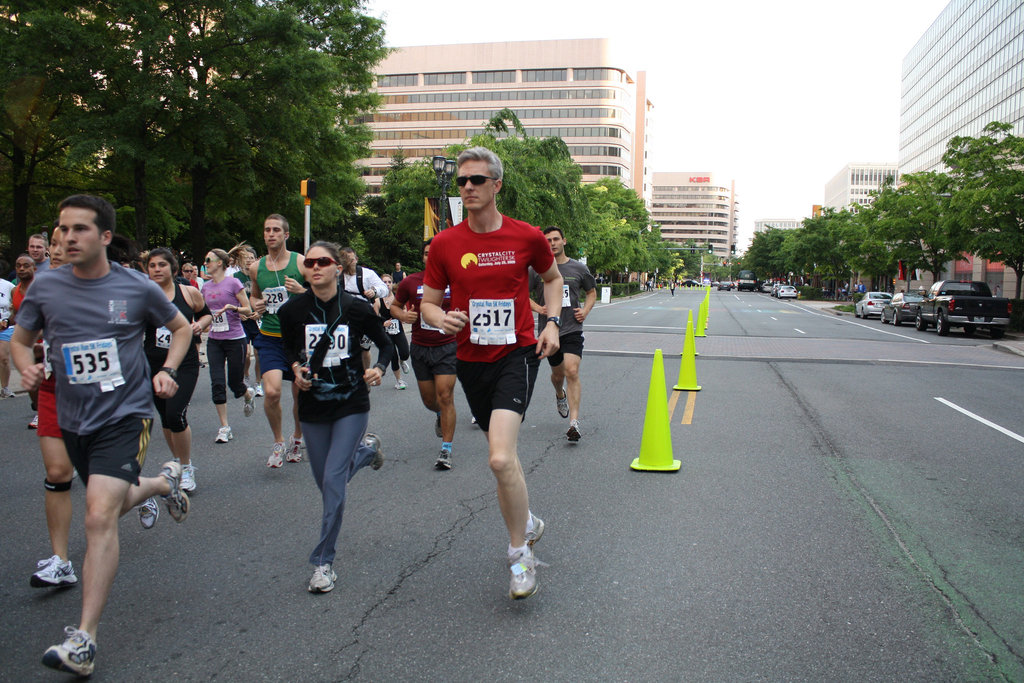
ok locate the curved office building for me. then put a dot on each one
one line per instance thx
(439, 95)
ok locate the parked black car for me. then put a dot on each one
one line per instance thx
(902, 308)
(961, 303)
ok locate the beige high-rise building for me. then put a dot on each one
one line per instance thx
(439, 95)
(694, 206)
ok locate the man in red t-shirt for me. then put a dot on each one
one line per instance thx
(433, 359)
(485, 260)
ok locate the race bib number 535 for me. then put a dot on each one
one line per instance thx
(92, 362)
(492, 321)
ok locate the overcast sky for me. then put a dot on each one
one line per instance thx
(777, 96)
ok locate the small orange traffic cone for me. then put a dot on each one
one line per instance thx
(688, 365)
(656, 442)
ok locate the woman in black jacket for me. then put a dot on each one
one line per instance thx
(334, 401)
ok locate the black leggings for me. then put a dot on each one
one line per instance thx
(232, 351)
(173, 410)
(402, 344)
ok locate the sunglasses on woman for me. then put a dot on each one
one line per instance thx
(323, 262)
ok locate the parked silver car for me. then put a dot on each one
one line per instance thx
(786, 292)
(902, 308)
(871, 304)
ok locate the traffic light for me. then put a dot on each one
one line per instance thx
(711, 249)
(732, 249)
(307, 188)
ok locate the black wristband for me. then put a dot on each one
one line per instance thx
(171, 372)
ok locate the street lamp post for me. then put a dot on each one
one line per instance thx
(444, 169)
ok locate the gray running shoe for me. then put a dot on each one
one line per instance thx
(76, 655)
(437, 427)
(149, 512)
(574, 431)
(54, 573)
(405, 367)
(250, 402)
(563, 405)
(177, 500)
(224, 435)
(188, 478)
(373, 441)
(444, 460)
(523, 580)
(323, 579)
(538, 530)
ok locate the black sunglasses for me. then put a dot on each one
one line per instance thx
(475, 179)
(211, 259)
(323, 262)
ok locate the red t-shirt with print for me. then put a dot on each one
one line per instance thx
(408, 294)
(490, 282)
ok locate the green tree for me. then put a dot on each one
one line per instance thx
(988, 176)
(766, 256)
(41, 79)
(912, 222)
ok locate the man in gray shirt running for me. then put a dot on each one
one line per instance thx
(565, 363)
(94, 314)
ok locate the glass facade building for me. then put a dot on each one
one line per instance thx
(439, 95)
(965, 72)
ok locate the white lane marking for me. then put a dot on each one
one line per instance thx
(773, 317)
(635, 327)
(850, 322)
(799, 330)
(993, 425)
(622, 301)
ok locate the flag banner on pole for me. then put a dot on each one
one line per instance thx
(429, 218)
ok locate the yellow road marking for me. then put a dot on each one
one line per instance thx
(672, 405)
(691, 401)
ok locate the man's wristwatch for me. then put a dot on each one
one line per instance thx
(171, 372)
(556, 320)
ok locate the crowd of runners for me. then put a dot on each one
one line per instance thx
(319, 323)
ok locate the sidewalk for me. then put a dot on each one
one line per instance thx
(1013, 342)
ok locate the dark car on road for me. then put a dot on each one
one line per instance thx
(902, 308)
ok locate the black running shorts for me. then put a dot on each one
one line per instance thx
(505, 384)
(117, 450)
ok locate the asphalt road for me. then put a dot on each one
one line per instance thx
(833, 519)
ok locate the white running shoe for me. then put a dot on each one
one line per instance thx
(34, 424)
(54, 573)
(563, 405)
(77, 654)
(323, 579)
(523, 579)
(400, 384)
(188, 478)
(534, 534)
(149, 512)
(6, 393)
(259, 389)
(295, 452)
(224, 435)
(250, 402)
(405, 367)
(276, 455)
